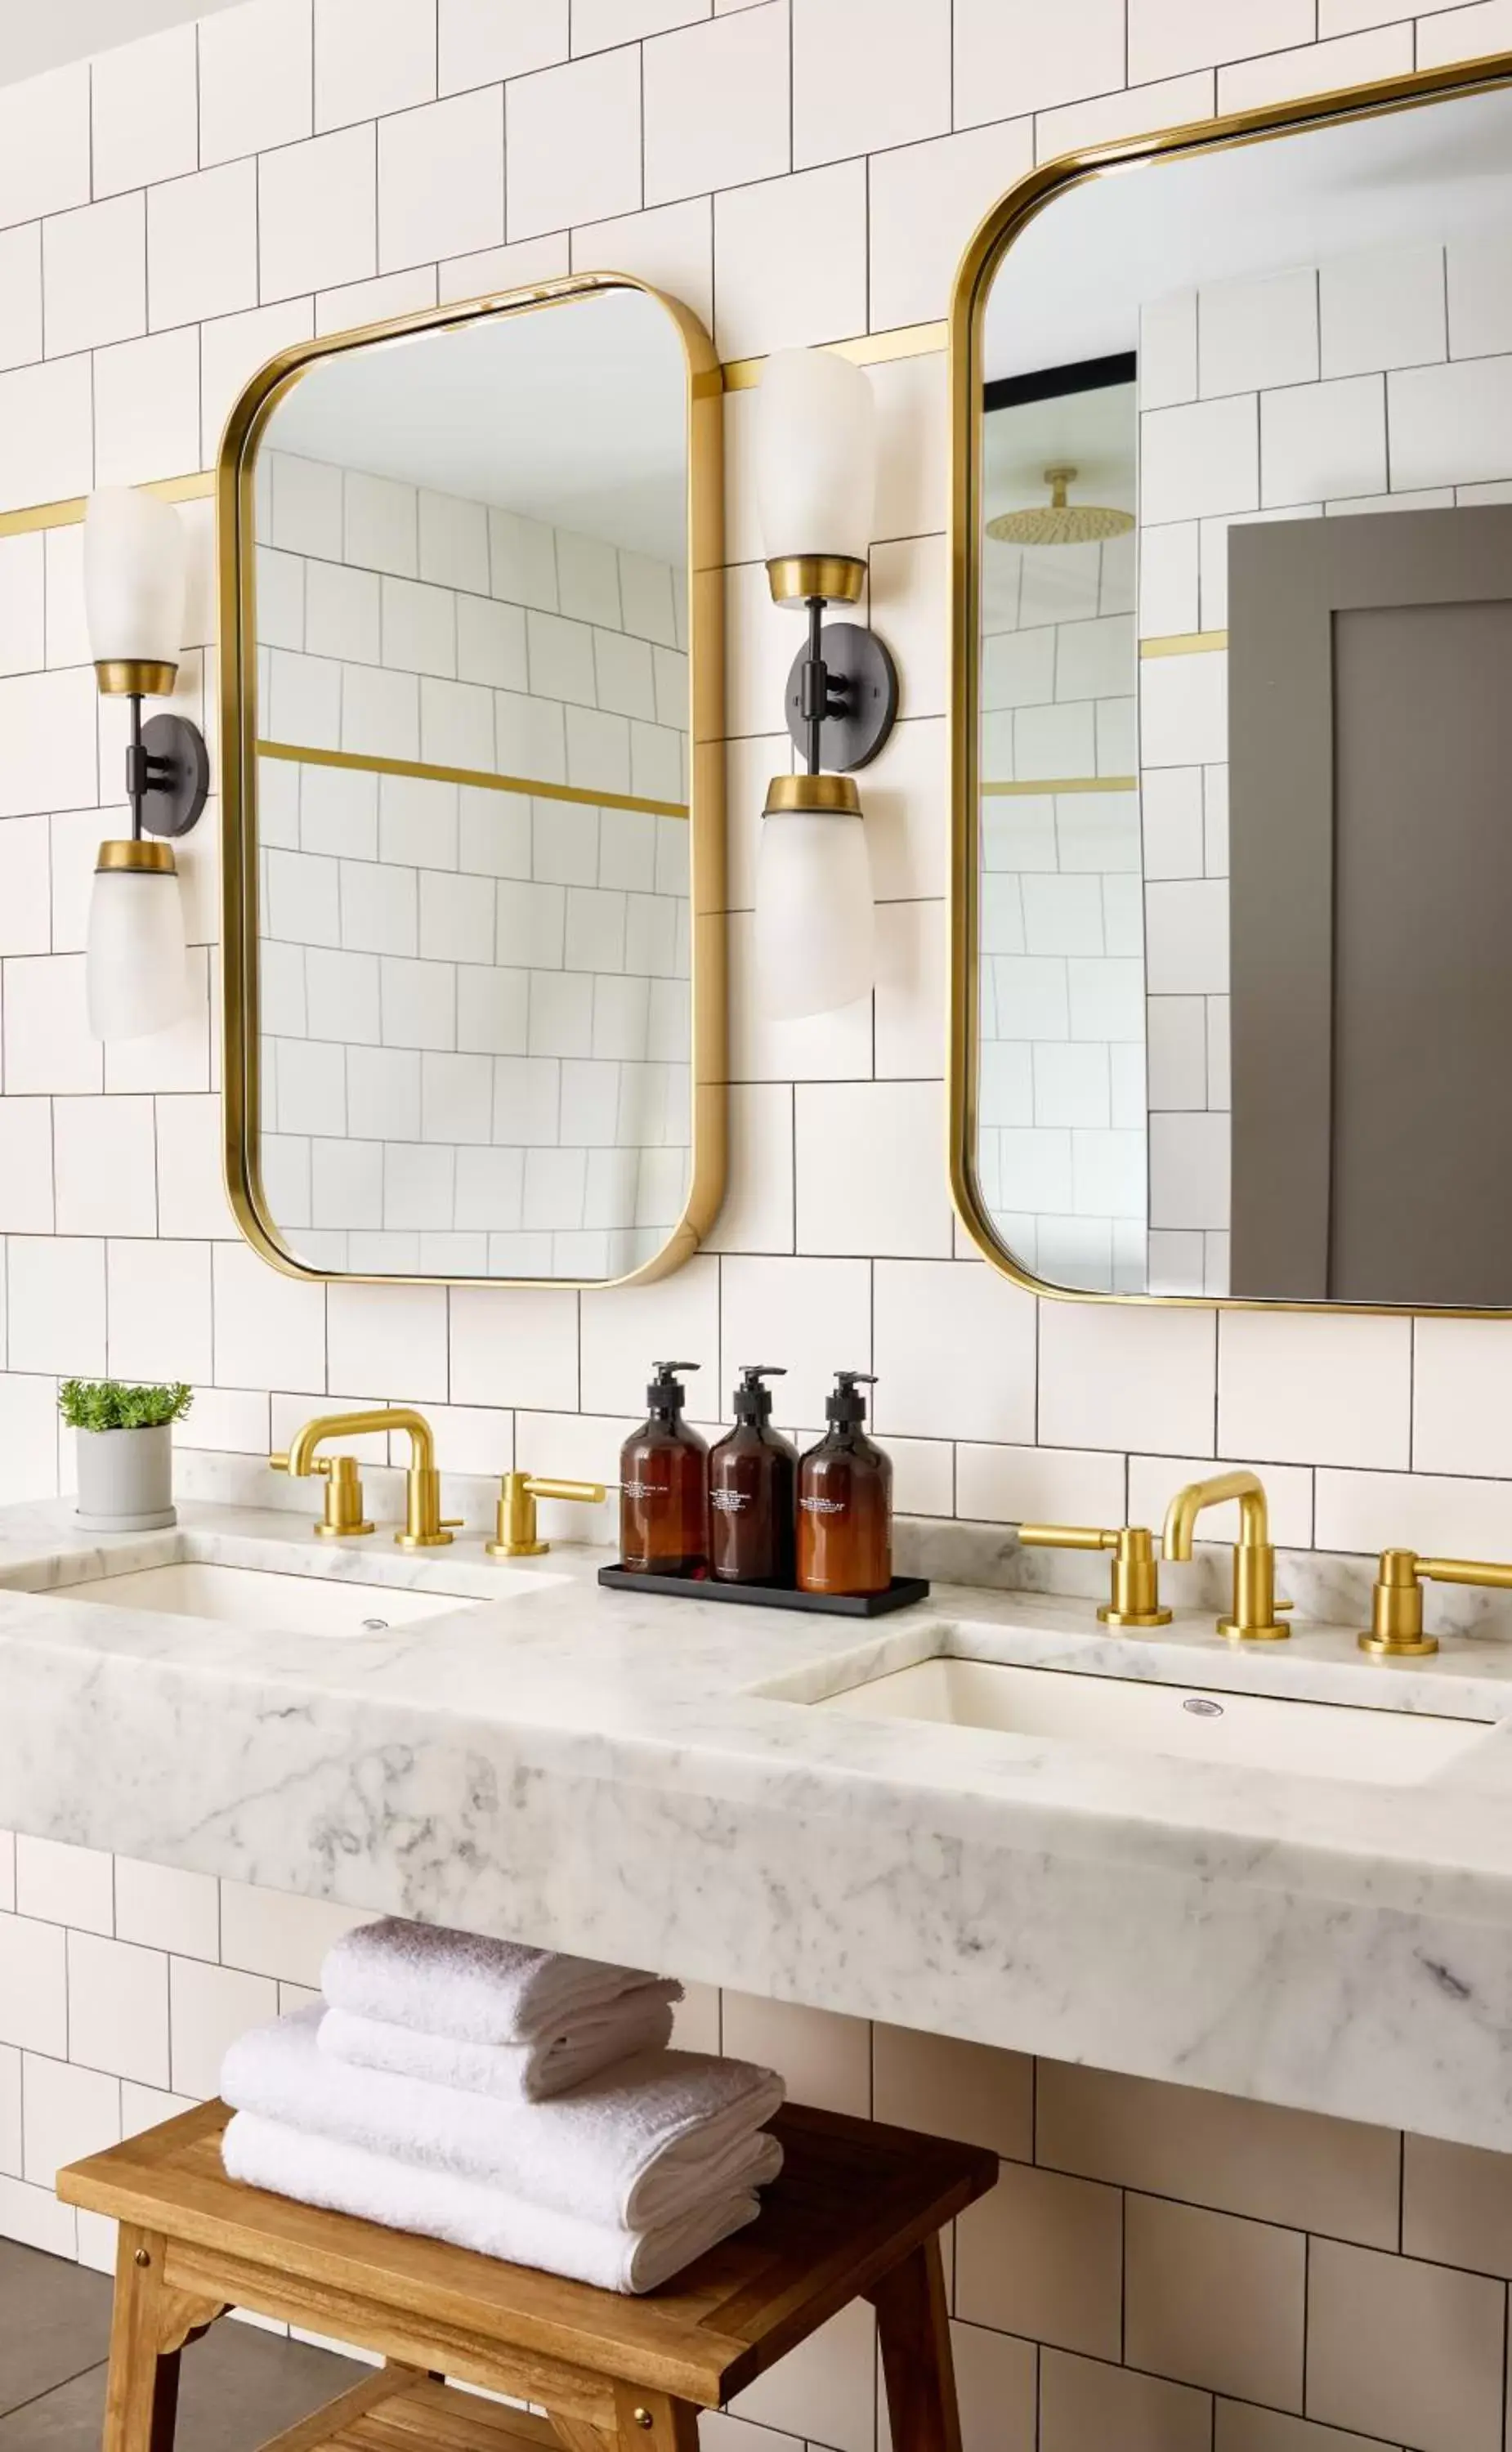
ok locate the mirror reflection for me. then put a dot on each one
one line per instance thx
(1244, 546)
(475, 1037)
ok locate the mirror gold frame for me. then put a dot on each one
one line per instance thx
(997, 234)
(236, 578)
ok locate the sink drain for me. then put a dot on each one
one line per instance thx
(375, 1626)
(1202, 1707)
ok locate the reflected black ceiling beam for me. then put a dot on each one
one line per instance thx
(1053, 383)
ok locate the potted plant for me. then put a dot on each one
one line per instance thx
(126, 1451)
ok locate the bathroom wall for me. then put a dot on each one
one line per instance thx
(1173, 2270)
(475, 1009)
(1365, 384)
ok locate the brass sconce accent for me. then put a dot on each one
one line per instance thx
(1134, 1596)
(1395, 1599)
(516, 1535)
(1255, 1606)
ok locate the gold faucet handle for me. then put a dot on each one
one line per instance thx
(1395, 1600)
(1134, 1593)
(516, 1535)
(344, 1516)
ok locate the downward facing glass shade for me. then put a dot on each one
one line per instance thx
(815, 924)
(137, 968)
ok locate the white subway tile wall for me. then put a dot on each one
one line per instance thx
(118, 1991)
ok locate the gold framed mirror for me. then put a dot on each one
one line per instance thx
(471, 710)
(1231, 420)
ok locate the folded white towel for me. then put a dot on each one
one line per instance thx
(637, 2147)
(459, 1984)
(638, 2021)
(347, 2180)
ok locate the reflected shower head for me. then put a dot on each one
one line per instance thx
(1058, 522)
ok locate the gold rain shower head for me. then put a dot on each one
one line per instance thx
(1059, 521)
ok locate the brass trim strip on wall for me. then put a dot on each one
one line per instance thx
(1000, 227)
(1060, 783)
(736, 374)
(482, 777)
(1186, 642)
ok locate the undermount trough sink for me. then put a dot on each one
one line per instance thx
(278, 1603)
(1133, 1715)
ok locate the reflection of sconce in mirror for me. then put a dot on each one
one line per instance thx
(137, 975)
(816, 483)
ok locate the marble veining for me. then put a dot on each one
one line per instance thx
(641, 1778)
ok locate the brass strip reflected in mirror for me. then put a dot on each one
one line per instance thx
(1060, 783)
(477, 778)
(1002, 225)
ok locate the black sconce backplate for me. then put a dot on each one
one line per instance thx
(860, 697)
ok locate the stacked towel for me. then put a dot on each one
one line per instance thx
(506, 2100)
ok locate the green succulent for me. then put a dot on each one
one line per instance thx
(111, 1405)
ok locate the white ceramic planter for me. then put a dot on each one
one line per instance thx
(126, 1479)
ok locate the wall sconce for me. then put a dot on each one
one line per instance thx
(817, 487)
(137, 971)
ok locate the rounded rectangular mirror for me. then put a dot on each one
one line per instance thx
(471, 712)
(1233, 629)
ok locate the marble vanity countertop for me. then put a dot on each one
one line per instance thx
(642, 1779)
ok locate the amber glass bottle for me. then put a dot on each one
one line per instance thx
(664, 1486)
(845, 1500)
(752, 1485)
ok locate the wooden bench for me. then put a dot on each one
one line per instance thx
(857, 2213)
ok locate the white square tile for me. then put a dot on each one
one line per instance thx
(372, 301)
(1254, 335)
(1384, 308)
(269, 1329)
(308, 507)
(372, 56)
(1167, 350)
(45, 432)
(1431, 1513)
(672, 247)
(147, 406)
(1448, 424)
(231, 349)
(1199, 458)
(1124, 1378)
(381, 525)
(865, 77)
(456, 723)
(953, 1352)
(757, 1214)
(25, 898)
(623, 1326)
(1187, 937)
(1465, 34)
(66, 2114)
(60, 1884)
(1025, 1485)
(773, 289)
(33, 1986)
(118, 2004)
(45, 143)
(456, 1097)
(268, 1932)
(868, 1176)
(912, 990)
(145, 111)
(1144, 109)
(159, 1310)
(48, 1044)
(419, 627)
(480, 44)
(381, 713)
(164, 1908)
(1320, 441)
(28, 1431)
(1167, 36)
(1325, 1390)
(317, 214)
(716, 105)
(26, 1166)
(513, 1347)
(419, 1188)
(94, 275)
(1358, 59)
(1168, 580)
(418, 1003)
(209, 2007)
(1184, 710)
(104, 1166)
(1178, 1052)
(1106, 998)
(553, 178)
(1188, 1170)
(1479, 299)
(22, 601)
(191, 1196)
(255, 78)
(342, 612)
(490, 642)
(816, 1313)
(441, 178)
(201, 245)
(1458, 1426)
(1012, 57)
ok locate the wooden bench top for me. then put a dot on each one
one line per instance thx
(853, 2198)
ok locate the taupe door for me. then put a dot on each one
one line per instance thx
(1370, 728)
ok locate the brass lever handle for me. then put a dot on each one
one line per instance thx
(1395, 1600)
(1134, 1593)
(516, 1535)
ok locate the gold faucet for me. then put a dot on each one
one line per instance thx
(425, 1528)
(1255, 1602)
(1134, 1597)
(516, 1536)
(1396, 1602)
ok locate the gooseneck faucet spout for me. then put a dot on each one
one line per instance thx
(1255, 1606)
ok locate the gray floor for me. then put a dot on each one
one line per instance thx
(239, 2386)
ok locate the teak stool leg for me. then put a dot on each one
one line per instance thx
(913, 2333)
(653, 2422)
(142, 2391)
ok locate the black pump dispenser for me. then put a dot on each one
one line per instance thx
(665, 1484)
(667, 1395)
(845, 1403)
(753, 1482)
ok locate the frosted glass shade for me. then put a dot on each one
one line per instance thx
(814, 926)
(133, 578)
(816, 456)
(136, 973)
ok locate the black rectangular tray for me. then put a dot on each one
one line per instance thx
(901, 1594)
